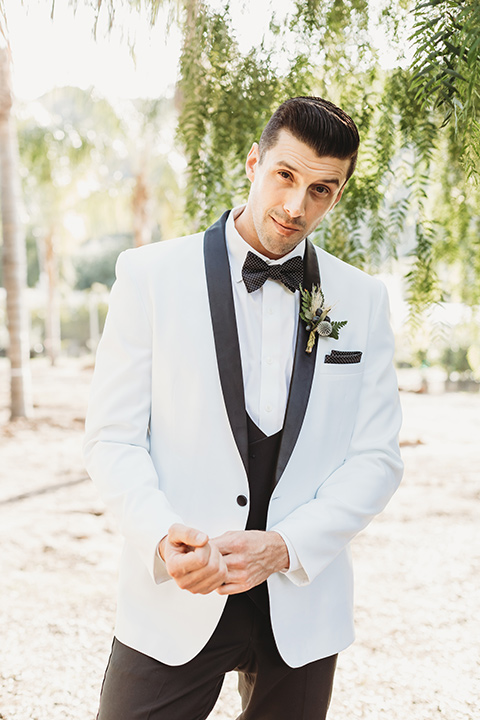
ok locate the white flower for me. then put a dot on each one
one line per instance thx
(324, 328)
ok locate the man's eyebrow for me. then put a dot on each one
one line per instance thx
(326, 181)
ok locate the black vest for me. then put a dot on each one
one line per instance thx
(262, 461)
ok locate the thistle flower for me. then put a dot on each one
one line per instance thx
(324, 328)
(314, 312)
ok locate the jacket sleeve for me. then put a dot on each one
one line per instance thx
(361, 487)
(116, 445)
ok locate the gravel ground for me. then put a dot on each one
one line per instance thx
(417, 567)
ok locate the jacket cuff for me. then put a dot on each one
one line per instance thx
(160, 573)
(295, 571)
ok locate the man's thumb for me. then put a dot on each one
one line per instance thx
(181, 534)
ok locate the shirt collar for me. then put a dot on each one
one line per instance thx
(237, 247)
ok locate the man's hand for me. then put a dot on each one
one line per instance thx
(192, 560)
(251, 556)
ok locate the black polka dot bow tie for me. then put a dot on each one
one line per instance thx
(255, 272)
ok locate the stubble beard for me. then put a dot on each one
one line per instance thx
(275, 244)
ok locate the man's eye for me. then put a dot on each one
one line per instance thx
(284, 174)
(321, 189)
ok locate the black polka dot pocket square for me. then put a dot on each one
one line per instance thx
(344, 357)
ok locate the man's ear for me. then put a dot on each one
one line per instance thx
(253, 158)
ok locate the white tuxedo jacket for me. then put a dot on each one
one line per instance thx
(166, 442)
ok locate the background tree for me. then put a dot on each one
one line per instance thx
(414, 194)
(82, 163)
(14, 253)
(225, 94)
(447, 70)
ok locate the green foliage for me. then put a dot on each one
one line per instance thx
(455, 360)
(336, 327)
(75, 323)
(410, 170)
(79, 164)
(226, 99)
(311, 302)
(447, 67)
(422, 281)
(60, 140)
(95, 263)
(413, 193)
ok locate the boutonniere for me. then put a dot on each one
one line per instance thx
(314, 312)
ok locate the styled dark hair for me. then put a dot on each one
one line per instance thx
(319, 124)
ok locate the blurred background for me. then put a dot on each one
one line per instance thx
(128, 122)
(125, 122)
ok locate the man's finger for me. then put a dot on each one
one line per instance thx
(203, 579)
(203, 585)
(182, 535)
(181, 564)
(231, 589)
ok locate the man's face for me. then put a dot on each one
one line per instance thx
(292, 190)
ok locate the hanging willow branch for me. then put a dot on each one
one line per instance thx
(411, 169)
(446, 68)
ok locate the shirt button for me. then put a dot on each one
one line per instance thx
(270, 311)
(268, 408)
(242, 500)
(269, 361)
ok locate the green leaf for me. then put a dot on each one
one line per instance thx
(336, 327)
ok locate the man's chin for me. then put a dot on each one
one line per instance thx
(272, 246)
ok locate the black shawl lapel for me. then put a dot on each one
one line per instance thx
(222, 310)
(302, 373)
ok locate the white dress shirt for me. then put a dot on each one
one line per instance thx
(267, 322)
(267, 327)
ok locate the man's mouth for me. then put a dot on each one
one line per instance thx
(285, 229)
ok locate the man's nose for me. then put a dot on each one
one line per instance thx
(294, 204)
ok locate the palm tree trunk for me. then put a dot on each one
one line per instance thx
(52, 320)
(14, 251)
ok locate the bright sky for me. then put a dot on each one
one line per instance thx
(61, 52)
(49, 54)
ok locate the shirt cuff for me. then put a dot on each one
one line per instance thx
(294, 561)
(160, 573)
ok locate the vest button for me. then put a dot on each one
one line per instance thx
(242, 500)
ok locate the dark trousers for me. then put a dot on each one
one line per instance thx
(137, 687)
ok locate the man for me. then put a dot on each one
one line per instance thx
(240, 446)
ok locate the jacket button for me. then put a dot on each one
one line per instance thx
(242, 500)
